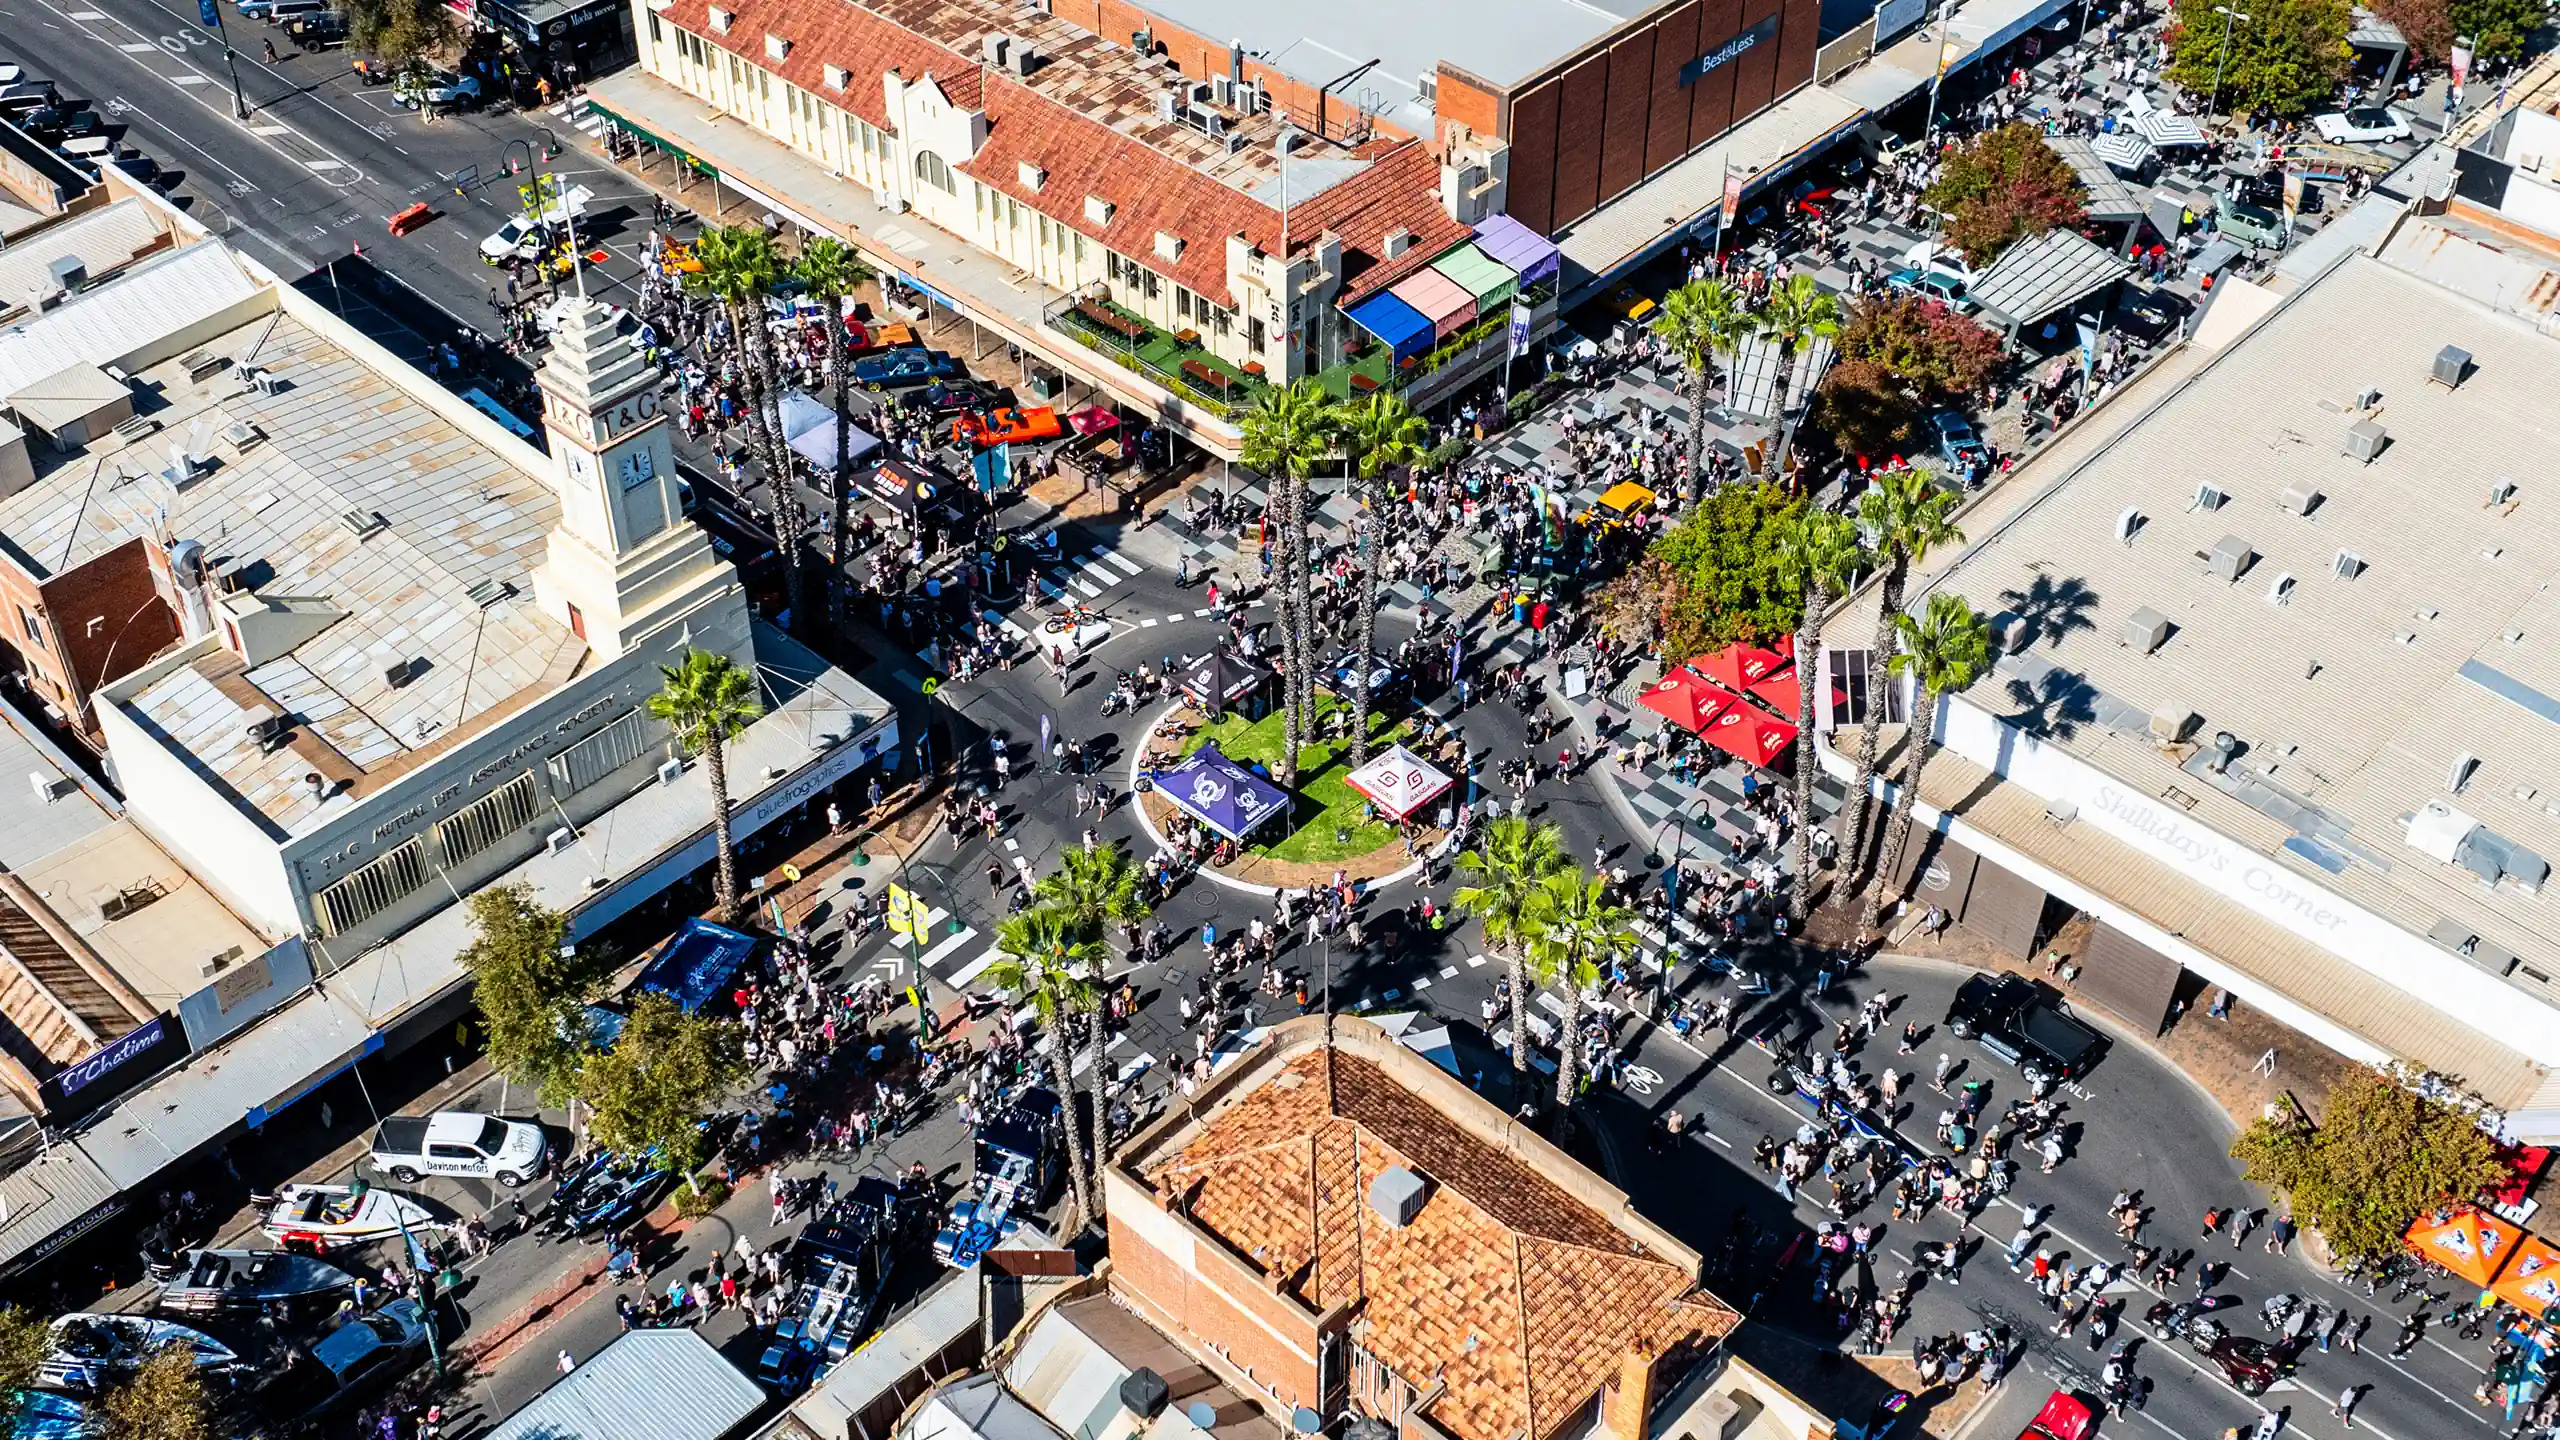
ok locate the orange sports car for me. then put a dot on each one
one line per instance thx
(1010, 424)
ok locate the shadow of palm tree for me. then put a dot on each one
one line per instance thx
(2053, 706)
(2049, 610)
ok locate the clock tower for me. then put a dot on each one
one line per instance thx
(624, 565)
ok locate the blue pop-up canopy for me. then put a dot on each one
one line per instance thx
(696, 963)
(1404, 330)
(1220, 793)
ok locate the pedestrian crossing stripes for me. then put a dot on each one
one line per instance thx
(959, 979)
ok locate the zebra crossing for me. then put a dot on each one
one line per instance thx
(1076, 579)
(580, 116)
(936, 953)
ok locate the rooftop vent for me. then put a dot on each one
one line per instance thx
(135, 427)
(2209, 497)
(1398, 241)
(2453, 365)
(2502, 493)
(1031, 176)
(838, 77)
(775, 47)
(2128, 524)
(1397, 1196)
(401, 672)
(2365, 441)
(1144, 1393)
(2146, 630)
(69, 272)
(2458, 776)
(2348, 564)
(2229, 559)
(490, 592)
(365, 523)
(2281, 592)
(242, 434)
(2300, 500)
(721, 20)
(203, 365)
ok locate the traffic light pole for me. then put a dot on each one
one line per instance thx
(208, 12)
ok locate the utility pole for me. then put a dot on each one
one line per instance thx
(1946, 42)
(210, 13)
(2222, 57)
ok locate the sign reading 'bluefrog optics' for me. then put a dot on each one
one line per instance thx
(1730, 51)
(116, 1067)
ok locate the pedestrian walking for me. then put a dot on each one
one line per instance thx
(2280, 1234)
(2354, 1335)
(568, 1362)
(2020, 1244)
(2242, 1224)
(1946, 1065)
(2345, 1409)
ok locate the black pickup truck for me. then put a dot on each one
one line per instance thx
(2022, 1023)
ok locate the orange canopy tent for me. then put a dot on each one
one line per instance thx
(2468, 1243)
(2532, 1281)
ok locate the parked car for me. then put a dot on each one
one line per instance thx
(1008, 425)
(2065, 1416)
(2152, 316)
(460, 1142)
(912, 365)
(949, 397)
(1930, 284)
(317, 32)
(526, 236)
(2018, 1022)
(2368, 126)
(1957, 444)
(361, 1352)
(2251, 225)
(436, 87)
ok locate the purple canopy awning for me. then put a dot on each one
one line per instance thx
(1220, 793)
(1517, 246)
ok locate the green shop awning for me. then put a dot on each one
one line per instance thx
(1480, 275)
(646, 136)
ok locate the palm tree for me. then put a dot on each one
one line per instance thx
(1287, 433)
(1944, 649)
(739, 267)
(1042, 959)
(1583, 934)
(1508, 866)
(707, 700)
(1905, 512)
(1819, 553)
(831, 270)
(1382, 435)
(1797, 311)
(1701, 321)
(1095, 889)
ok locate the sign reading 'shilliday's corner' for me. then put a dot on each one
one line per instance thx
(1730, 51)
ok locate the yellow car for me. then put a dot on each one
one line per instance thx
(1626, 304)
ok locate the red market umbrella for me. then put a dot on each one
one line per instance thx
(1687, 701)
(1784, 693)
(1751, 734)
(1737, 666)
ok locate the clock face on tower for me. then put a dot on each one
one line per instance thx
(637, 468)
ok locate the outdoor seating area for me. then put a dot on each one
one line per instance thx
(1174, 360)
(1706, 697)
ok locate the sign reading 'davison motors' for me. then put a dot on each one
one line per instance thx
(1730, 51)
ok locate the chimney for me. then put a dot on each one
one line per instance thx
(1629, 1399)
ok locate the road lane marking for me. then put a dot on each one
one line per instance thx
(184, 79)
(141, 49)
(325, 164)
(269, 130)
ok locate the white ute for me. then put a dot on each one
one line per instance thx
(462, 1143)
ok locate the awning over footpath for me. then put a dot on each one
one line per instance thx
(1480, 275)
(1524, 251)
(1449, 308)
(646, 1385)
(1220, 793)
(1405, 331)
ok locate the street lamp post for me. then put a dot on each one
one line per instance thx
(2222, 57)
(210, 13)
(1946, 41)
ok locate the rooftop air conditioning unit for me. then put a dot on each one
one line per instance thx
(48, 788)
(2300, 500)
(2146, 630)
(560, 839)
(202, 365)
(1397, 1195)
(69, 272)
(243, 435)
(2229, 559)
(2452, 366)
(1022, 59)
(1168, 105)
(670, 771)
(2365, 441)
(994, 47)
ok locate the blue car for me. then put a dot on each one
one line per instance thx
(1938, 285)
(1957, 444)
(912, 365)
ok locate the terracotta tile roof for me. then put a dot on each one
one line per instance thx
(1087, 120)
(1518, 1295)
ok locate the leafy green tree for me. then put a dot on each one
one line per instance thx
(1907, 512)
(1819, 551)
(402, 34)
(2286, 59)
(709, 701)
(1702, 322)
(2381, 1156)
(531, 996)
(1582, 935)
(830, 270)
(1797, 313)
(739, 269)
(1712, 578)
(2002, 186)
(1288, 432)
(165, 1400)
(2499, 29)
(1042, 958)
(1945, 648)
(1901, 356)
(1506, 870)
(1383, 435)
(661, 1075)
(25, 1341)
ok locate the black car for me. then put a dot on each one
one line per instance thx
(2151, 316)
(2021, 1023)
(944, 397)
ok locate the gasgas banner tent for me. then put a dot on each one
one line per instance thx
(1438, 298)
(2468, 1243)
(1398, 782)
(1220, 793)
(2532, 1281)
(1405, 331)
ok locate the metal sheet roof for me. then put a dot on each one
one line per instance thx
(646, 1385)
(46, 1194)
(30, 830)
(216, 1089)
(2044, 273)
(1479, 274)
(154, 300)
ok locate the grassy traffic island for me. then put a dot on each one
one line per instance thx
(1331, 825)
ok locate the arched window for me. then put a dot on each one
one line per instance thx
(931, 170)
